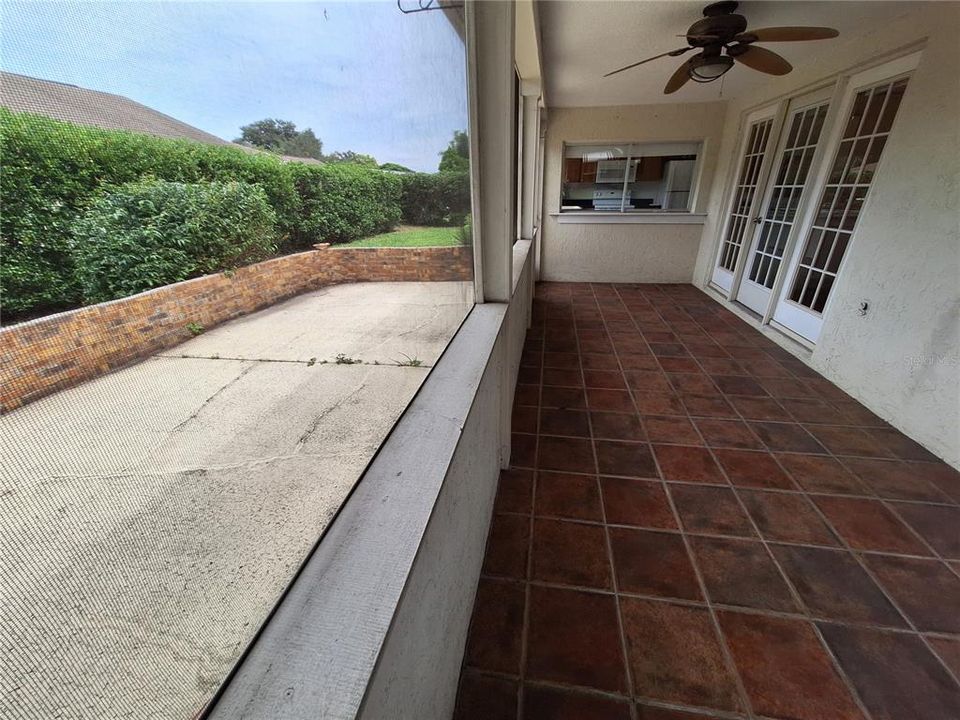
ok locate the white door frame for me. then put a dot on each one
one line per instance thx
(798, 319)
(755, 296)
(721, 277)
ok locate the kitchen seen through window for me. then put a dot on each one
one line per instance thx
(629, 178)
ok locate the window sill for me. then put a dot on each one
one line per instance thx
(591, 217)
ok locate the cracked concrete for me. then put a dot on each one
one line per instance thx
(152, 517)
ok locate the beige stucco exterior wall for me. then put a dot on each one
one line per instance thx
(902, 359)
(625, 252)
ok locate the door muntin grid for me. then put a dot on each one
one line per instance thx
(795, 161)
(851, 174)
(739, 219)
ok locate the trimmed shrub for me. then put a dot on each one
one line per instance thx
(344, 201)
(151, 233)
(435, 199)
(465, 232)
(52, 170)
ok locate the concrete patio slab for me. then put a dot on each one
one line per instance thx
(401, 321)
(152, 517)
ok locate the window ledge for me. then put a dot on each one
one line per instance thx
(614, 218)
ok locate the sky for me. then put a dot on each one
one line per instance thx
(362, 75)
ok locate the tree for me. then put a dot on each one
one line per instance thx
(282, 137)
(456, 158)
(304, 145)
(349, 156)
(395, 167)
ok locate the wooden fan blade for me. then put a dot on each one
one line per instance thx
(679, 78)
(791, 34)
(674, 53)
(766, 61)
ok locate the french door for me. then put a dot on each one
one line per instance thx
(751, 171)
(781, 201)
(869, 108)
(787, 229)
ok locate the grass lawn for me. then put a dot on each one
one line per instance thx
(409, 236)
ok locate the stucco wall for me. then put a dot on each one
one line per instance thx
(634, 252)
(419, 667)
(902, 359)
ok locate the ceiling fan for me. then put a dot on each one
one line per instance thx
(722, 29)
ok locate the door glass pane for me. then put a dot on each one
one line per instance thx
(877, 100)
(781, 211)
(856, 160)
(811, 288)
(840, 162)
(893, 104)
(873, 157)
(750, 166)
(856, 114)
(798, 285)
(821, 298)
(841, 202)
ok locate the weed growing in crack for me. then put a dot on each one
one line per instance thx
(195, 328)
(409, 361)
(342, 359)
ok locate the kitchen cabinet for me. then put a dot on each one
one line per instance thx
(576, 170)
(651, 168)
(572, 168)
(588, 172)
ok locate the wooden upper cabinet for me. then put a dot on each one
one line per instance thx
(651, 168)
(588, 172)
(577, 170)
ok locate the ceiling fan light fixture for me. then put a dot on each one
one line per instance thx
(708, 69)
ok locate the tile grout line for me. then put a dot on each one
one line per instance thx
(614, 303)
(627, 666)
(947, 501)
(744, 609)
(857, 556)
(798, 489)
(856, 552)
(727, 654)
(712, 535)
(835, 662)
(525, 627)
(734, 489)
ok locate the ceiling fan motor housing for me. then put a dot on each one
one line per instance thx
(720, 29)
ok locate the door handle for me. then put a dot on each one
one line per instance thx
(757, 220)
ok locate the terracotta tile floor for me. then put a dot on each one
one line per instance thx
(696, 525)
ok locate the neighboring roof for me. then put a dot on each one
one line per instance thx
(74, 104)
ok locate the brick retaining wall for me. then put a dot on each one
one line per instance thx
(52, 353)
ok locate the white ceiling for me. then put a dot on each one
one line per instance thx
(582, 40)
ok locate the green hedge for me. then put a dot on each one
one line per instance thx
(436, 198)
(51, 172)
(151, 233)
(342, 202)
